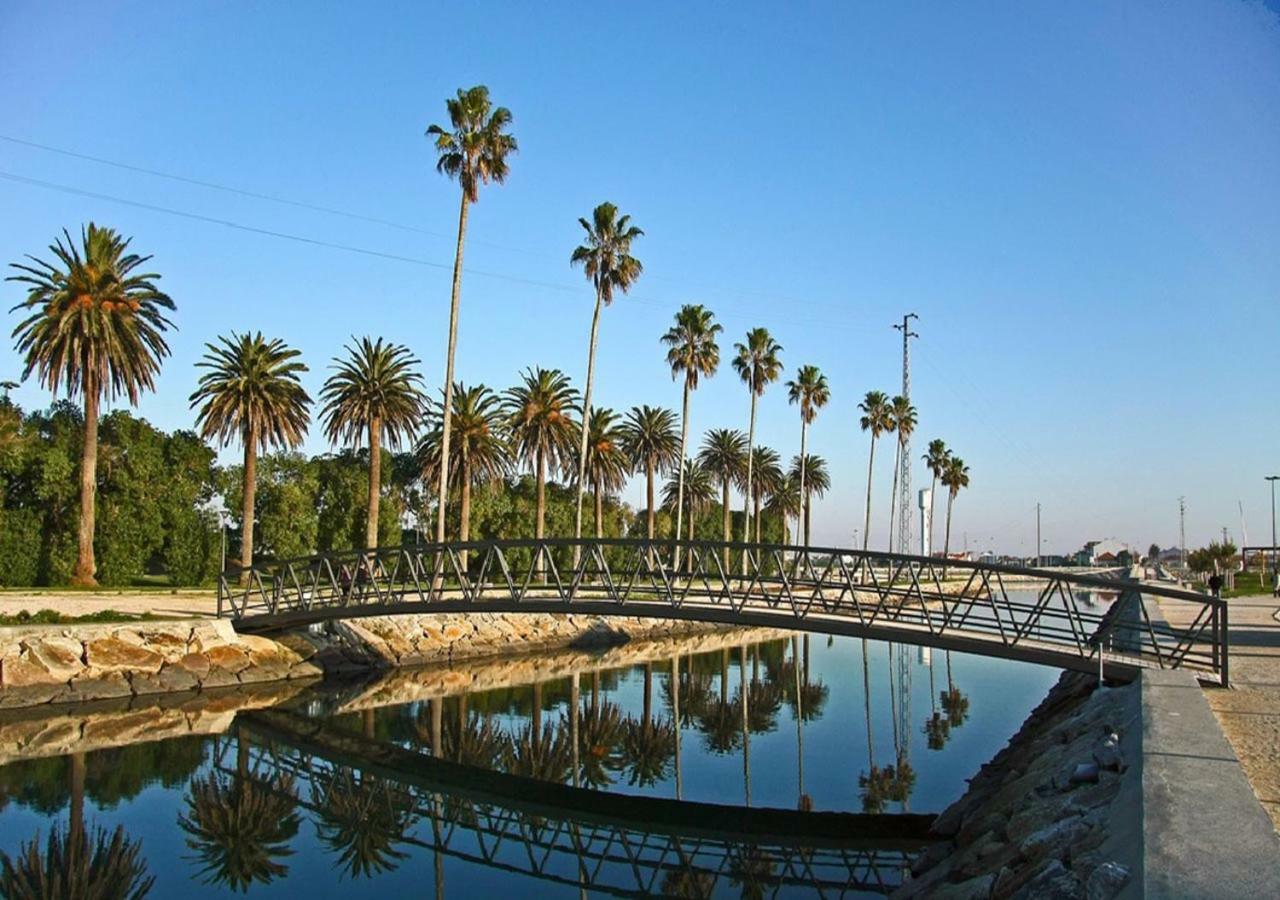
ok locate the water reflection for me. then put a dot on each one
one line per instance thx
(546, 772)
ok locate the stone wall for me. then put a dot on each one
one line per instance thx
(1037, 820)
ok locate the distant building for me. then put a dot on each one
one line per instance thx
(1107, 552)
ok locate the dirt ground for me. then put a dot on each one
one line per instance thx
(175, 604)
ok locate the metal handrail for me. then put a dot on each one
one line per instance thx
(955, 604)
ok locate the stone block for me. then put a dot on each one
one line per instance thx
(99, 686)
(227, 658)
(61, 657)
(112, 655)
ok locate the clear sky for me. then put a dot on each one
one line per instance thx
(1081, 202)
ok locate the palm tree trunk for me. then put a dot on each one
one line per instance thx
(85, 564)
(746, 495)
(804, 435)
(540, 510)
(871, 465)
(675, 712)
(866, 692)
(946, 544)
(933, 494)
(447, 425)
(250, 493)
(759, 529)
(728, 521)
(586, 419)
(893, 496)
(464, 519)
(599, 510)
(650, 516)
(575, 702)
(684, 441)
(375, 482)
(648, 694)
(536, 716)
(746, 735)
(76, 814)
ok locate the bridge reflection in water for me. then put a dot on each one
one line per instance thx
(602, 842)
(1027, 614)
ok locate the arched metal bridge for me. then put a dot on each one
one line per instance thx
(1053, 617)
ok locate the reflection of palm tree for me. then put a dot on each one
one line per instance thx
(954, 703)
(600, 738)
(688, 881)
(648, 744)
(361, 818)
(751, 870)
(74, 863)
(936, 728)
(719, 718)
(239, 827)
(471, 739)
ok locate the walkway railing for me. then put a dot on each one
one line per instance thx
(1085, 622)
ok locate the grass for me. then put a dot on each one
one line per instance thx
(53, 617)
(138, 587)
(1249, 584)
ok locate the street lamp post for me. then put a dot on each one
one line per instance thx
(1275, 562)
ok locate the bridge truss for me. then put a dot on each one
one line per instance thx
(1054, 617)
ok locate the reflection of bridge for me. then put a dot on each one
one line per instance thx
(608, 843)
(1049, 617)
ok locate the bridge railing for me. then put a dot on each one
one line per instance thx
(1061, 618)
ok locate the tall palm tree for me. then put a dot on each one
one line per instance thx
(724, 455)
(480, 452)
(473, 150)
(810, 392)
(650, 441)
(607, 262)
(251, 391)
(375, 394)
(607, 462)
(698, 489)
(767, 477)
(877, 419)
(954, 478)
(95, 324)
(935, 458)
(817, 483)
(758, 363)
(539, 414)
(904, 423)
(692, 351)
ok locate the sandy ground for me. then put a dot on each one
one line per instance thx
(176, 604)
(1250, 711)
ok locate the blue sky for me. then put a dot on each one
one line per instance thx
(1081, 202)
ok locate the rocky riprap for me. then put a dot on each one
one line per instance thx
(1037, 819)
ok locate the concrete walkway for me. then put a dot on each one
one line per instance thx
(1249, 712)
(181, 604)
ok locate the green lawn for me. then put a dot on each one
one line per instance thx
(51, 617)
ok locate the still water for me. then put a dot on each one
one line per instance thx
(777, 746)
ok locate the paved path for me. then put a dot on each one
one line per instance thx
(169, 604)
(1250, 712)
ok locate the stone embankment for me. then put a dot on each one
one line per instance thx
(85, 663)
(1046, 817)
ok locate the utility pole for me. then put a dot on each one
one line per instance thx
(1224, 535)
(1037, 535)
(903, 500)
(1182, 531)
(1275, 563)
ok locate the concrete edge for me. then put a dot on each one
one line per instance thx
(1204, 833)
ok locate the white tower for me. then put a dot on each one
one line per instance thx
(926, 521)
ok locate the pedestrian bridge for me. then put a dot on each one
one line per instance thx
(1073, 621)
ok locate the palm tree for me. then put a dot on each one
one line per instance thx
(607, 462)
(375, 394)
(94, 323)
(810, 391)
(692, 351)
(954, 478)
(877, 419)
(607, 262)
(473, 150)
(251, 391)
(758, 364)
(936, 459)
(650, 442)
(784, 502)
(724, 455)
(817, 483)
(699, 492)
(767, 478)
(539, 418)
(480, 452)
(904, 423)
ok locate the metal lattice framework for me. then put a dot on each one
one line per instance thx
(606, 843)
(1054, 617)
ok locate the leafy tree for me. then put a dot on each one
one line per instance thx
(650, 442)
(472, 150)
(607, 262)
(374, 395)
(810, 392)
(692, 351)
(251, 391)
(877, 418)
(95, 324)
(759, 364)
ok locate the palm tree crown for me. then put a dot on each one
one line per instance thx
(481, 454)
(606, 256)
(650, 441)
(810, 390)
(376, 385)
(724, 454)
(252, 387)
(474, 148)
(539, 414)
(691, 344)
(758, 362)
(699, 488)
(956, 476)
(904, 418)
(877, 413)
(608, 463)
(96, 323)
(935, 458)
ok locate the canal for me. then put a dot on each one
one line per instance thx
(417, 783)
